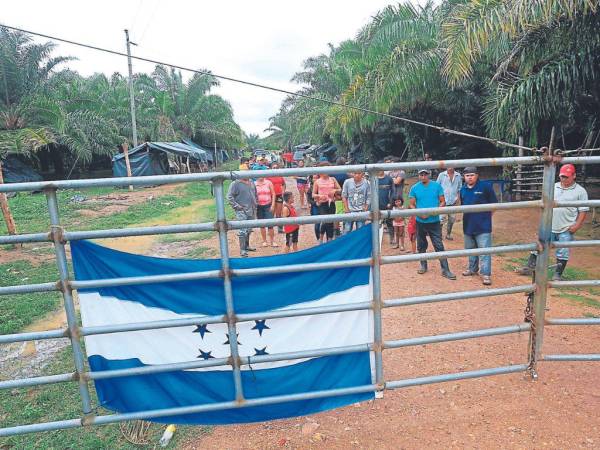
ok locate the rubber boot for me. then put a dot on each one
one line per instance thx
(248, 248)
(423, 268)
(243, 251)
(449, 230)
(560, 267)
(529, 268)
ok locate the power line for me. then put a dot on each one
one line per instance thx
(283, 91)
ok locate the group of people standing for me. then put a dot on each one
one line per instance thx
(326, 194)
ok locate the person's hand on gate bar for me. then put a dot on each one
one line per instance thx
(573, 228)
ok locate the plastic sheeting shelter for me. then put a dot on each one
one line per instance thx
(14, 170)
(152, 158)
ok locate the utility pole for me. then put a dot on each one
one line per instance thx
(130, 83)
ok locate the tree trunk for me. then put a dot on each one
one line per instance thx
(8, 218)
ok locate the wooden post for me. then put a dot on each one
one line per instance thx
(519, 169)
(187, 163)
(8, 218)
(127, 165)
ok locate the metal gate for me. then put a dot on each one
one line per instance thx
(535, 320)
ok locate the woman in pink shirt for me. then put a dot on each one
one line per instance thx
(265, 208)
(324, 190)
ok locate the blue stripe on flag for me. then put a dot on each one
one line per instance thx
(251, 294)
(186, 388)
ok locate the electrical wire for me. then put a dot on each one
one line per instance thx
(495, 142)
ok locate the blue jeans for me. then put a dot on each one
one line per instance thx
(565, 236)
(485, 261)
(348, 226)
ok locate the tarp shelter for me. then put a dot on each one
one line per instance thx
(205, 152)
(151, 158)
(15, 170)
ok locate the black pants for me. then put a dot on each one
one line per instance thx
(327, 228)
(434, 230)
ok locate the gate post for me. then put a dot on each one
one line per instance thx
(67, 293)
(376, 275)
(231, 322)
(541, 267)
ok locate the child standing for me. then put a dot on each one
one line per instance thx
(291, 231)
(412, 233)
(398, 223)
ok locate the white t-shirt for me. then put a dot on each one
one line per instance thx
(563, 218)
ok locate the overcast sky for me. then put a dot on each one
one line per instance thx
(264, 41)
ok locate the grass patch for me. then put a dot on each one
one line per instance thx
(18, 311)
(581, 299)
(186, 237)
(201, 252)
(60, 402)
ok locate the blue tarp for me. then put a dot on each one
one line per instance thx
(15, 170)
(150, 158)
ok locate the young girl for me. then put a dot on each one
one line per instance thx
(291, 231)
(324, 190)
(398, 225)
(412, 233)
(266, 206)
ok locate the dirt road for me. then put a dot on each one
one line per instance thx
(560, 410)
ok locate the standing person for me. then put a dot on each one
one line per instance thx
(279, 186)
(399, 179)
(292, 230)
(477, 226)
(566, 221)
(385, 189)
(324, 190)
(429, 194)
(451, 182)
(244, 163)
(287, 158)
(399, 224)
(301, 184)
(266, 206)
(242, 198)
(339, 203)
(356, 195)
(411, 229)
(314, 208)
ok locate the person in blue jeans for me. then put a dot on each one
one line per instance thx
(477, 226)
(429, 194)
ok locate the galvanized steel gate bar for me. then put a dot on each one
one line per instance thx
(74, 331)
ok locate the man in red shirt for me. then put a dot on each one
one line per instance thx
(279, 186)
(287, 158)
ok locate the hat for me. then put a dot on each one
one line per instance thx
(470, 169)
(424, 171)
(567, 170)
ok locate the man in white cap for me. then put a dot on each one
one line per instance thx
(429, 194)
(477, 226)
(451, 182)
(565, 221)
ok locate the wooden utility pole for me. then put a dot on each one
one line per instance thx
(130, 83)
(8, 218)
(127, 165)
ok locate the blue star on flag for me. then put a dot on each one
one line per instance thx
(262, 351)
(237, 335)
(201, 329)
(260, 326)
(205, 355)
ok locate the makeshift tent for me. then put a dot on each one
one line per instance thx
(151, 158)
(206, 153)
(16, 170)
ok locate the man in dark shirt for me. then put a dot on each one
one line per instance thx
(386, 187)
(242, 198)
(477, 226)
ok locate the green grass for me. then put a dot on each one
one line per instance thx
(18, 311)
(581, 299)
(60, 402)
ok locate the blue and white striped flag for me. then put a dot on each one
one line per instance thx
(251, 294)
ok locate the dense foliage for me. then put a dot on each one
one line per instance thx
(500, 68)
(45, 107)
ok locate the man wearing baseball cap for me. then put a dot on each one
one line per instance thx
(477, 226)
(429, 194)
(565, 221)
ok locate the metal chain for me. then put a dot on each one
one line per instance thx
(530, 318)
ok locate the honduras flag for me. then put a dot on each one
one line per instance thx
(251, 294)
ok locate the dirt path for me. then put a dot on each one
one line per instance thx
(560, 410)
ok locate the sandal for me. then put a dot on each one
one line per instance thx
(264, 244)
(274, 244)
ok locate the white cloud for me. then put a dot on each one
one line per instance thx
(261, 41)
